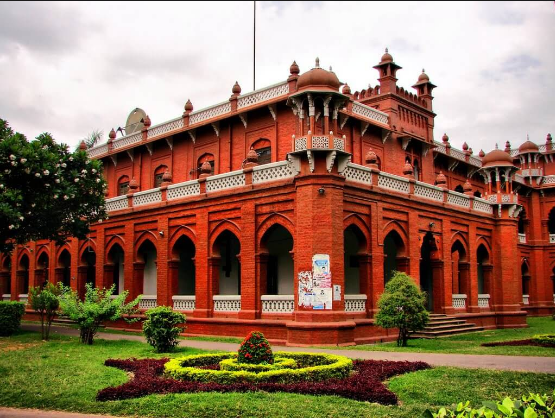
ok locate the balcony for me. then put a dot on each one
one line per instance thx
(227, 303)
(483, 301)
(459, 301)
(355, 303)
(184, 303)
(148, 302)
(278, 303)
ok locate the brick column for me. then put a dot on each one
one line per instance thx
(438, 286)
(261, 278)
(472, 286)
(81, 280)
(173, 278)
(163, 290)
(101, 281)
(250, 289)
(365, 280)
(137, 281)
(447, 302)
(203, 295)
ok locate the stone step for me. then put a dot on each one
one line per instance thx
(446, 333)
(446, 322)
(446, 327)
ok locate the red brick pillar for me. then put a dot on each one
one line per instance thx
(21, 276)
(203, 295)
(447, 302)
(81, 280)
(137, 281)
(261, 278)
(472, 286)
(163, 285)
(365, 280)
(101, 280)
(438, 286)
(250, 290)
(173, 280)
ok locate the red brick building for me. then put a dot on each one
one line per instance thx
(220, 212)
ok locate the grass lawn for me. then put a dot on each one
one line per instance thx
(65, 375)
(471, 343)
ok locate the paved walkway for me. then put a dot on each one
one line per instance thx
(514, 363)
(33, 413)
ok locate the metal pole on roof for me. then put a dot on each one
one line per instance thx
(254, 52)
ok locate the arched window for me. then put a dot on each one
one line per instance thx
(123, 185)
(459, 189)
(551, 222)
(202, 159)
(158, 174)
(263, 148)
(477, 194)
(521, 222)
(416, 169)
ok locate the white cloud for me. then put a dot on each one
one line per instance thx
(71, 68)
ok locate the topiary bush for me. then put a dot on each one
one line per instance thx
(10, 317)
(532, 406)
(403, 306)
(544, 339)
(162, 327)
(255, 349)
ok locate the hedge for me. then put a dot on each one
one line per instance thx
(547, 339)
(312, 367)
(233, 364)
(10, 317)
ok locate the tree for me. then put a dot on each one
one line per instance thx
(402, 305)
(97, 307)
(93, 138)
(46, 191)
(44, 300)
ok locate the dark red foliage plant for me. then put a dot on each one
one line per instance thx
(363, 385)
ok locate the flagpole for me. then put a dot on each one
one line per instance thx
(254, 51)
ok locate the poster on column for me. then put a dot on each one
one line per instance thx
(306, 292)
(321, 282)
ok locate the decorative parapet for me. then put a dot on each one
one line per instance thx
(548, 180)
(227, 303)
(522, 238)
(278, 303)
(327, 142)
(370, 113)
(482, 205)
(147, 197)
(457, 154)
(225, 181)
(519, 178)
(355, 303)
(532, 172)
(358, 173)
(125, 141)
(427, 191)
(483, 300)
(393, 182)
(97, 151)
(458, 199)
(117, 203)
(262, 95)
(209, 113)
(503, 198)
(148, 302)
(184, 303)
(182, 190)
(271, 172)
(459, 301)
(165, 127)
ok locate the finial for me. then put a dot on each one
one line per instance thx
(423, 70)
(331, 69)
(386, 50)
(317, 62)
(236, 90)
(496, 145)
(294, 69)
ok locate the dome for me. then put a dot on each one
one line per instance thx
(188, 106)
(236, 89)
(528, 146)
(294, 69)
(497, 158)
(386, 57)
(423, 77)
(318, 78)
(346, 89)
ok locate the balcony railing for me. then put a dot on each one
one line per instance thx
(459, 301)
(552, 238)
(148, 302)
(534, 172)
(6, 297)
(278, 303)
(184, 302)
(24, 298)
(355, 303)
(526, 299)
(483, 301)
(227, 303)
(522, 238)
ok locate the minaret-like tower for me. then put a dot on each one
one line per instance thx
(388, 71)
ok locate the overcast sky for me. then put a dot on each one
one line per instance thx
(71, 68)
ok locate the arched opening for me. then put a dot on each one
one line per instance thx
(354, 245)
(263, 148)
(113, 271)
(522, 222)
(88, 260)
(278, 243)
(551, 222)
(147, 254)
(123, 185)
(459, 268)
(477, 194)
(184, 252)
(459, 189)
(23, 275)
(42, 270)
(158, 175)
(63, 272)
(525, 274)
(5, 277)
(484, 268)
(416, 169)
(426, 272)
(227, 246)
(205, 158)
(394, 255)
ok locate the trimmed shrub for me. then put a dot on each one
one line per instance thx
(255, 349)
(403, 306)
(329, 366)
(532, 406)
(544, 339)
(45, 301)
(162, 328)
(10, 317)
(279, 363)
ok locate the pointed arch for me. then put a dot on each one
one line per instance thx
(114, 240)
(60, 250)
(143, 237)
(222, 226)
(84, 247)
(356, 220)
(394, 226)
(485, 242)
(181, 231)
(42, 250)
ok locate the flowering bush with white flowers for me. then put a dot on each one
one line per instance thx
(47, 191)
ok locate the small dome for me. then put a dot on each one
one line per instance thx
(407, 169)
(371, 157)
(112, 134)
(441, 180)
(507, 146)
(548, 139)
(318, 78)
(294, 69)
(481, 154)
(465, 147)
(252, 156)
(497, 158)
(236, 88)
(528, 146)
(346, 89)
(445, 138)
(188, 106)
(133, 184)
(205, 168)
(83, 146)
(467, 187)
(386, 57)
(167, 177)
(423, 77)
(147, 122)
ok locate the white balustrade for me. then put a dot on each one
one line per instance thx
(96, 151)
(440, 148)
(148, 302)
(459, 301)
(458, 199)
(552, 238)
(117, 203)
(482, 205)
(165, 127)
(483, 301)
(227, 303)
(355, 303)
(554, 298)
(184, 303)
(534, 172)
(526, 299)
(225, 181)
(428, 191)
(300, 143)
(370, 113)
(263, 95)
(6, 297)
(459, 155)
(209, 113)
(272, 172)
(358, 173)
(339, 144)
(147, 197)
(24, 297)
(278, 303)
(320, 141)
(393, 182)
(185, 189)
(125, 141)
(522, 238)
(519, 178)
(549, 180)
(475, 161)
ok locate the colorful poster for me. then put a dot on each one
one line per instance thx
(306, 294)
(322, 299)
(336, 292)
(321, 281)
(320, 264)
